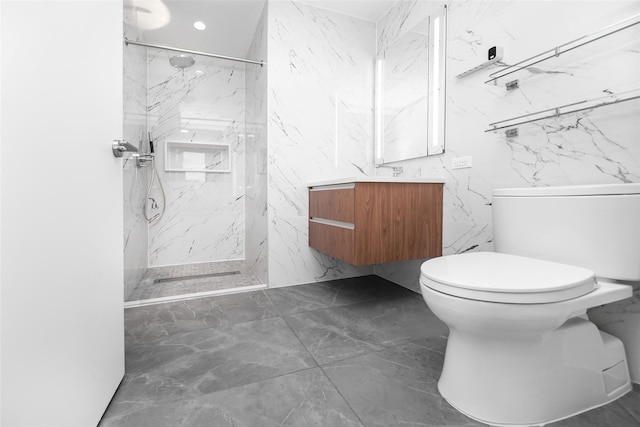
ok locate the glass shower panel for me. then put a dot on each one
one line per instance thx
(196, 116)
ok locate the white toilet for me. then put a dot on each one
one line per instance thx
(521, 350)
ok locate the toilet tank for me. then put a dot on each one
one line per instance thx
(591, 226)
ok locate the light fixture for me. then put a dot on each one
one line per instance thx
(436, 125)
(379, 117)
(149, 14)
(199, 25)
(435, 142)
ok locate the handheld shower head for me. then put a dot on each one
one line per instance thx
(182, 61)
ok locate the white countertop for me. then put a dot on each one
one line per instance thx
(391, 179)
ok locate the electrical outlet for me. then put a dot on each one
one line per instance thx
(461, 162)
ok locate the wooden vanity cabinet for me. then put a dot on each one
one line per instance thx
(366, 223)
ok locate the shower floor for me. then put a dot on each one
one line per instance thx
(185, 279)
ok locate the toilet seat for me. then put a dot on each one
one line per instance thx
(504, 278)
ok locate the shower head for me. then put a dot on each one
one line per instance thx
(182, 61)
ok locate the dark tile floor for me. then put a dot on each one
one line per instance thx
(349, 352)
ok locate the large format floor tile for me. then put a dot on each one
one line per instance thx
(624, 412)
(631, 403)
(397, 386)
(195, 363)
(163, 320)
(334, 293)
(305, 398)
(252, 360)
(337, 333)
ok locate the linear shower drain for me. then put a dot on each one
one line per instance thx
(199, 276)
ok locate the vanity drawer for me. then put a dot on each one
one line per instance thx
(330, 239)
(333, 202)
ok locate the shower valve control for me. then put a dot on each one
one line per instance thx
(120, 146)
(143, 159)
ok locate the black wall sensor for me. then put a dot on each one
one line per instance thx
(495, 55)
(492, 53)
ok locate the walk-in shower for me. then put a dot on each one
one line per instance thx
(193, 171)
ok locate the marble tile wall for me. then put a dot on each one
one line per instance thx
(593, 148)
(320, 123)
(134, 179)
(597, 146)
(204, 217)
(256, 223)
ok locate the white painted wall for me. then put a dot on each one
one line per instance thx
(62, 351)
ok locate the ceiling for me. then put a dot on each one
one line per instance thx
(370, 10)
(230, 23)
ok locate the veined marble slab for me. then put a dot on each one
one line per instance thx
(392, 179)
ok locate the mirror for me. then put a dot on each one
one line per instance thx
(410, 93)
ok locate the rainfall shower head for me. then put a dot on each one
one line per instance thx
(182, 61)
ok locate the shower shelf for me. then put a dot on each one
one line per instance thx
(509, 75)
(184, 156)
(589, 104)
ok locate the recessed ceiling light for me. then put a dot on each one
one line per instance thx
(199, 25)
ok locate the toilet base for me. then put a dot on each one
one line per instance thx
(534, 380)
(530, 425)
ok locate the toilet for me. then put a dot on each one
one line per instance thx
(521, 350)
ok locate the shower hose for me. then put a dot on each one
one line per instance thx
(154, 204)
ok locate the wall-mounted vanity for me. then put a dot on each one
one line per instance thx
(375, 220)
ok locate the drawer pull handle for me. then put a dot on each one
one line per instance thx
(333, 223)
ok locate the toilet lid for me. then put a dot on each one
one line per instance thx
(496, 277)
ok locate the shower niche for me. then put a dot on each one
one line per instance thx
(197, 157)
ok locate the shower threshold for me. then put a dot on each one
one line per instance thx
(184, 297)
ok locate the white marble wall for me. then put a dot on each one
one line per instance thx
(135, 180)
(597, 146)
(320, 123)
(204, 218)
(256, 224)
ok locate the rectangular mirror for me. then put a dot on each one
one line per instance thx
(410, 93)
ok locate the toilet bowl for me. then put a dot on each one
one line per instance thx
(521, 350)
(513, 362)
